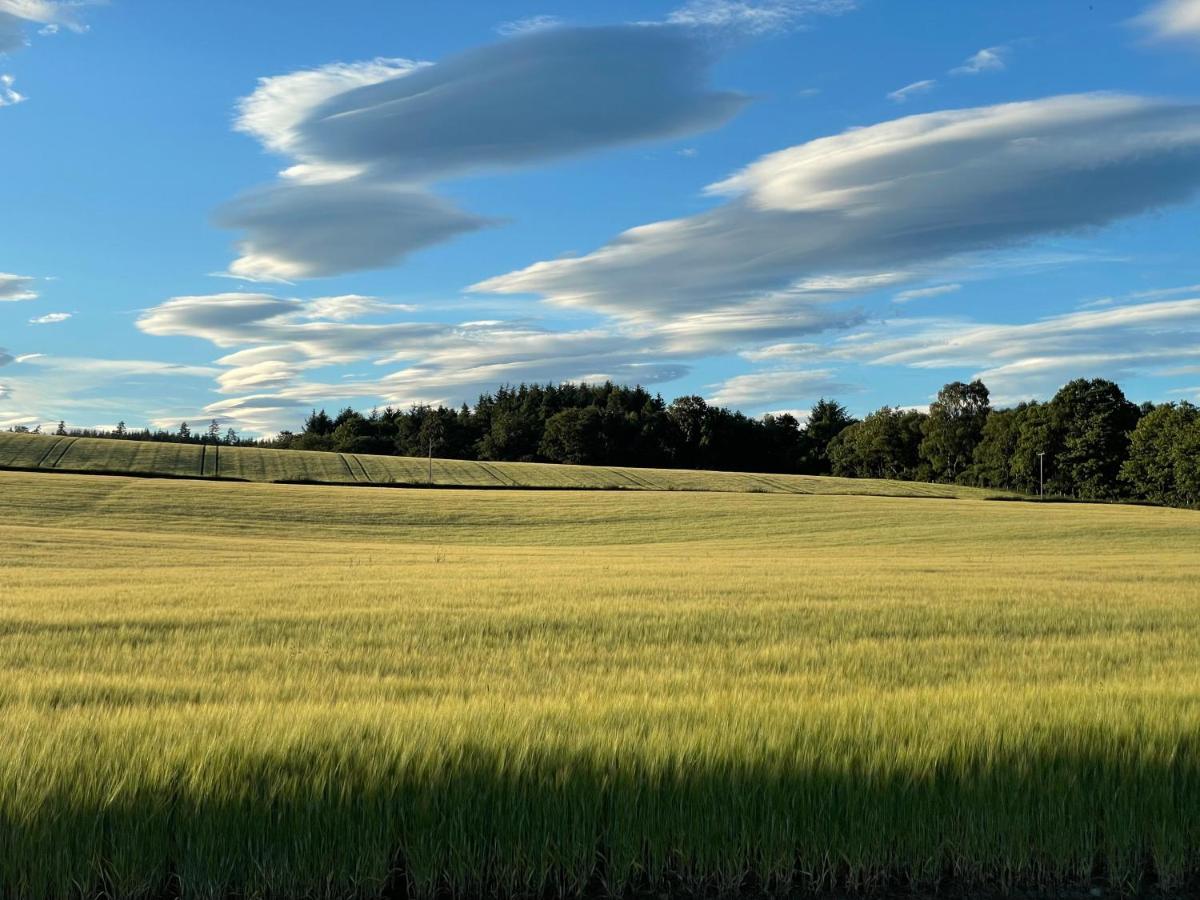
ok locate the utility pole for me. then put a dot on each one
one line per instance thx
(1041, 474)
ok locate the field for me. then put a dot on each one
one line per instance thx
(213, 688)
(82, 455)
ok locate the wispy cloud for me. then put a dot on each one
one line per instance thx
(50, 319)
(761, 389)
(17, 15)
(17, 287)
(9, 95)
(902, 95)
(528, 24)
(989, 59)
(762, 17)
(936, 290)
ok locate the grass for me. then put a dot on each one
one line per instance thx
(219, 688)
(82, 455)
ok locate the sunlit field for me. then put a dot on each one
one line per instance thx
(83, 455)
(212, 688)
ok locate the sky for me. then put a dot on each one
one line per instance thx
(244, 211)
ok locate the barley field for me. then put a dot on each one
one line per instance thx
(217, 689)
(83, 455)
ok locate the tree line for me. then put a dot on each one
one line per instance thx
(1088, 442)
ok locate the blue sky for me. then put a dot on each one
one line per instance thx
(243, 211)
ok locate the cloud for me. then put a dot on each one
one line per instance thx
(534, 97)
(755, 17)
(16, 14)
(989, 59)
(901, 95)
(1027, 359)
(16, 287)
(50, 319)
(527, 25)
(295, 231)
(890, 198)
(1172, 20)
(9, 95)
(936, 290)
(366, 139)
(760, 389)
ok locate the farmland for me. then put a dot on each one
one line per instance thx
(213, 687)
(83, 455)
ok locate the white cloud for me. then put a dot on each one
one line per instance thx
(50, 319)
(279, 106)
(527, 25)
(989, 59)
(936, 290)
(16, 287)
(895, 197)
(9, 95)
(901, 95)
(1027, 359)
(1172, 20)
(762, 17)
(760, 389)
(16, 14)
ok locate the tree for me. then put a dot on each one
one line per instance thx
(954, 428)
(1094, 420)
(1158, 468)
(991, 464)
(573, 436)
(214, 432)
(886, 444)
(120, 429)
(689, 415)
(231, 436)
(826, 420)
(61, 430)
(184, 432)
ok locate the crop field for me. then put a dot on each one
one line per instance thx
(81, 455)
(212, 689)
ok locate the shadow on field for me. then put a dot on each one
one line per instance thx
(330, 820)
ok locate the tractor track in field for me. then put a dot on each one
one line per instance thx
(349, 469)
(203, 453)
(366, 476)
(500, 478)
(67, 444)
(640, 480)
(46, 455)
(216, 460)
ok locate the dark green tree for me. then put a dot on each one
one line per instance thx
(954, 428)
(1158, 465)
(826, 420)
(573, 436)
(1094, 421)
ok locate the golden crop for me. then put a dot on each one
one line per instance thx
(320, 691)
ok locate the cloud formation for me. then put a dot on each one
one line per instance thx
(989, 59)
(50, 319)
(1021, 361)
(1172, 20)
(16, 287)
(16, 15)
(759, 389)
(902, 95)
(295, 231)
(762, 17)
(888, 198)
(366, 139)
